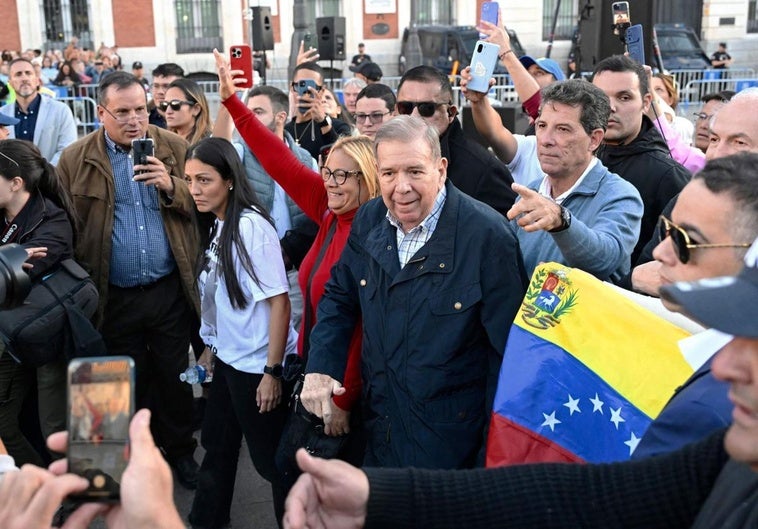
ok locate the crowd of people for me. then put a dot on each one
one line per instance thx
(375, 240)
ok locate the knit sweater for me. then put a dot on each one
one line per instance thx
(306, 188)
(666, 492)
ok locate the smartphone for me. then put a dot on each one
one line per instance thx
(141, 149)
(301, 88)
(489, 14)
(100, 407)
(621, 18)
(307, 41)
(483, 62)
(635, 43)
(241, 58)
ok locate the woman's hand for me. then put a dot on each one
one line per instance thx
(227, 83)
(206, 360)
(34, 253)
(269, 393)
(339, 423)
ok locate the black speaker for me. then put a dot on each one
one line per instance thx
(263, 30)
(331, 38)
(597, 40)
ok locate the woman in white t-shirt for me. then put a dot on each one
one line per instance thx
(245, 323)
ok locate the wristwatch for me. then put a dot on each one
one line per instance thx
(326, 123)
(274, 370)
(565, 220)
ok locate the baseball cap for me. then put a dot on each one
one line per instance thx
(6, 121)
(136, 65)
(549, 65)
(727, 304)
(371, 71)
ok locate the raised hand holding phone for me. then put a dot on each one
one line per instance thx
(241, 58)
(635, 43)
(489, 14)
(483, 62)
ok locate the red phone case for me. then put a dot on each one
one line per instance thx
(241, 58)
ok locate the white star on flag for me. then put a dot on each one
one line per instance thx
(597, 404)
(632, 443)
(616, 417)
(572, 405)
(550, 421)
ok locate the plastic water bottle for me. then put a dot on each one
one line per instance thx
(194, 375)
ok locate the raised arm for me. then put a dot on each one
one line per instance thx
(300, 182)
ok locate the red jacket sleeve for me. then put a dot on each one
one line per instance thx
(302, 184)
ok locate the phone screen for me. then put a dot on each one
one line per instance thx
(101, 404)
(621, 17)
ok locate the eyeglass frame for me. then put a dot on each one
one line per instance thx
(175, 104)
(417, 104)
(374, 117)
(333, 174)
(665, 229)
(133, 114)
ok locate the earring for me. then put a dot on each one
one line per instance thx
(231, 187)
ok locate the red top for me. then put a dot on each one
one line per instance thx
(306, 188)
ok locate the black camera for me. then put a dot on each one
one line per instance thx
(14, 281)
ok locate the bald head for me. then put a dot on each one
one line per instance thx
(734, 127)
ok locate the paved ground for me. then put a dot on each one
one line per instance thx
(252, 506)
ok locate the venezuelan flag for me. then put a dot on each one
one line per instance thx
(584, 373)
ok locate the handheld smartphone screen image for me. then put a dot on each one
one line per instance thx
(621, 18)
(100, 404)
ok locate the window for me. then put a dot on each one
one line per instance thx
(321, 8)
(435, 12)
(567, 16)
(64, 19)
(198, 29)
(752, 16)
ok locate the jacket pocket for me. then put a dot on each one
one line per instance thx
(456, 300)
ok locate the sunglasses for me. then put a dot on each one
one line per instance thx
(375, 117)
(426, 109)
(682, 242)
(339, 175)
(175, 104)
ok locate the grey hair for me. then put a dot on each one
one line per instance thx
(594, 104)
(407, 129)
(360, 83)
(748, 93)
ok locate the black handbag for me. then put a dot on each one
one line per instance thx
(304, 429)
(54, 318)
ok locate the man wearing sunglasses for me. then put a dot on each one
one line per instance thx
(310, 126)
(374, 106)
(711, 227)
(425, 92)
(163, 75)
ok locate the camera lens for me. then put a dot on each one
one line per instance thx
(14, 282)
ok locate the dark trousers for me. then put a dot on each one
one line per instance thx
(232, 412)
(152, 325)
(16, 381)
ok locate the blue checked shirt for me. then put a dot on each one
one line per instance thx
(409, 243)
(141, 253)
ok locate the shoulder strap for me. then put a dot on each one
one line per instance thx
(308, 312)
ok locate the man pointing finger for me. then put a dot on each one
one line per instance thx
(579, 214)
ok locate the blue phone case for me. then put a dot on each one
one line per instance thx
(635, 43)
(489, 13)
(483, 62)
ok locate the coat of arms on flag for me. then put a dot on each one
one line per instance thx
(585, 371)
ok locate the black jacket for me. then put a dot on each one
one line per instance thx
(647, 164)
(476, 171)
(43, 224)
